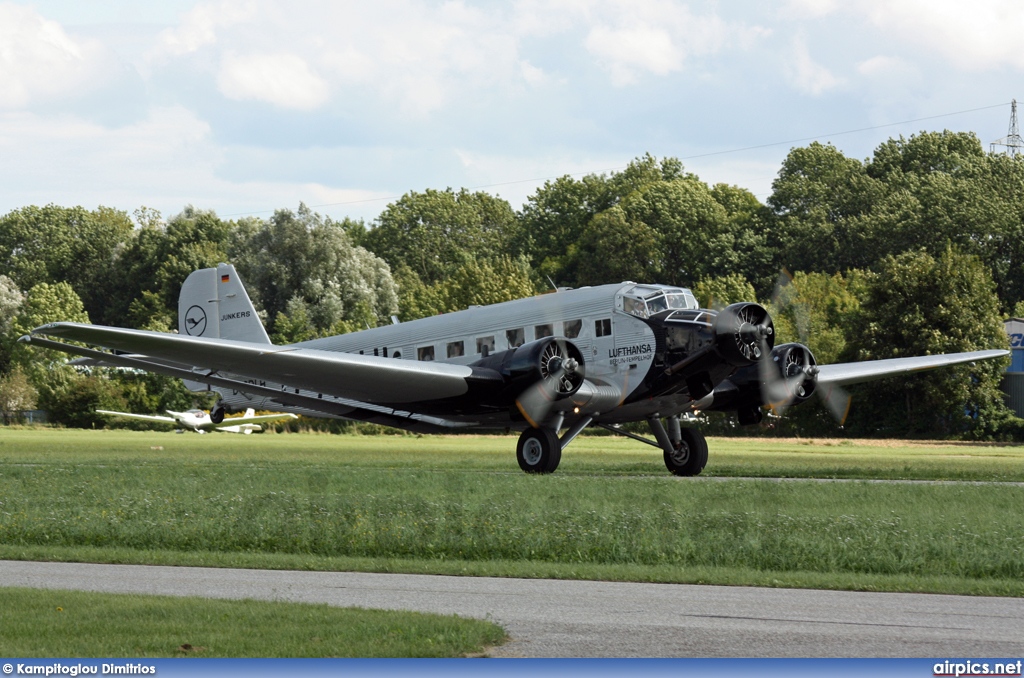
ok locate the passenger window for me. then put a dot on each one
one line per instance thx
(485, 345)
(397, 355)
(425, 353)
(456, 349)
(573, 328)
(603, 327)
(516, 337)
(541, 331)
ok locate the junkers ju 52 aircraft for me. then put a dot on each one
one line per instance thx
(597, 356)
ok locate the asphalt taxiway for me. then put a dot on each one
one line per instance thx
(555, 618)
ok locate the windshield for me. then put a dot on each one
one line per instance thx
(643, 301)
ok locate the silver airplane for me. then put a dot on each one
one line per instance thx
(549, 366)
(201, 422)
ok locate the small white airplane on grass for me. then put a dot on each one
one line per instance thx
(201, 422)
(596, 356)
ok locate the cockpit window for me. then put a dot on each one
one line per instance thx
(656, 304)
(644, 301)
(635, 307)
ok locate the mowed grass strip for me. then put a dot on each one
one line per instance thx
(587, 455)
(50, 623)
(309, 502)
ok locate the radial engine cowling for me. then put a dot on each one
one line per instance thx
(743, 333)
(552, 359)
(795, 364)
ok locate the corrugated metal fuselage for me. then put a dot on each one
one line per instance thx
(620, 352)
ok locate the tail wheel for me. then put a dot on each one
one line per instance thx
(690, 458)
(538, 451)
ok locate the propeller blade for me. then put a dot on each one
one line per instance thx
(837, 400)
(562, 372)
(535, 402)
(787, 307)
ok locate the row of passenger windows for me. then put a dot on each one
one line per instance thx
(514, 338)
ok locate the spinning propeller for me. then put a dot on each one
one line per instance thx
(791, 373)
(561, 374)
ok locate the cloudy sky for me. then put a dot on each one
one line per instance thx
(244, 106)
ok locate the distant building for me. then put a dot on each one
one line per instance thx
(1013, 382)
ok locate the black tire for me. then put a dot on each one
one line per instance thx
(691, 457)
(538, 451)
(217, 414)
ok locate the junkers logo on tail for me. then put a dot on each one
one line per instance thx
(195, 321)
(235, 316)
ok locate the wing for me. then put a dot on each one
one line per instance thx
(362, 378)
(855, 373)
(237, 421)
(147, 417)
(244, 429)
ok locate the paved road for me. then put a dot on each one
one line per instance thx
(548, 618)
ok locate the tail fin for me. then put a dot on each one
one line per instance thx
(213, 303)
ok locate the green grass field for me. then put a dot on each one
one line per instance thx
(460, 505)
(36, 623)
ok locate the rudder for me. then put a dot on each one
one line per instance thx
(213, 303)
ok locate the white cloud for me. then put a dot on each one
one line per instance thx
(976, 35)
(880, 65)
(625, 51)
(656, 36)
(39, 61)
(200, 25)
(419, 58)
(807, 75)
(284, 80)
(516, 176)
(62, 156)
(166, 161)
(532, 75)
(810, 9)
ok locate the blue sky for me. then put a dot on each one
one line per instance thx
(244, 106)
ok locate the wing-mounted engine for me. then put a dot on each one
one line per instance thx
(796, 369)
(534, 376)
(550, 359)
(787, 377)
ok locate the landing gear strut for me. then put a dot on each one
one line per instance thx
(685, 449)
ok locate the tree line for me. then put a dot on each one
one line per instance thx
(915, 250)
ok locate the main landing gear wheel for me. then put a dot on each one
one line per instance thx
(691, 456)
(217, 414)
(538, 451)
